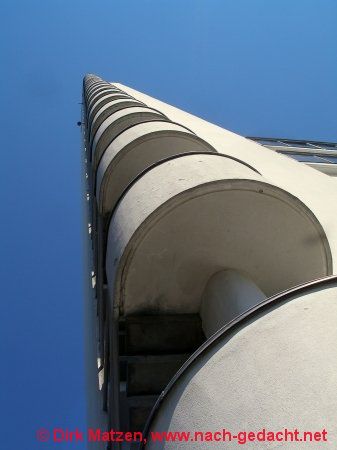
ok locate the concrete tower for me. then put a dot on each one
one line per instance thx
(212, 302)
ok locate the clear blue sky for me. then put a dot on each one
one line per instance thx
(257, 67)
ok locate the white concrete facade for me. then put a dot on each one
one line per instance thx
(193, 226)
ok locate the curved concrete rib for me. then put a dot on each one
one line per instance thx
(101, 91)
(91, 84)
(190, 217)
(272, 369)
(92, 98)
(136, 149)
(101, 94)
(94, 83)
(116, 124)
(110, 97)
(108, 109)
(96, 89)
(89, 87)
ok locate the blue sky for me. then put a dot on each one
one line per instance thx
(256, 67)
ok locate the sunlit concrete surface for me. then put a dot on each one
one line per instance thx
(192, 230)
